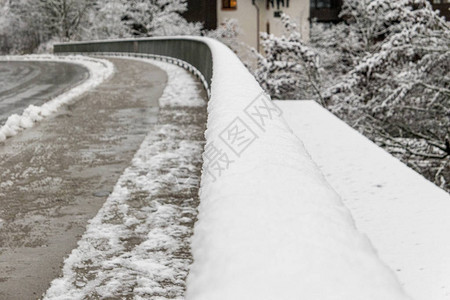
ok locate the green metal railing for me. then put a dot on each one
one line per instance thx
(193, 52)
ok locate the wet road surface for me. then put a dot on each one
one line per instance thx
(55, 176)
(34, 82)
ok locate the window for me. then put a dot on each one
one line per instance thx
(324, 4)
(279, 3)
(229, 4)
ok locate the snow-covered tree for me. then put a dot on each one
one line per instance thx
(228, 33)
(383, 69)
(4, 12)
(29, 23)
(106, 20)
(398, 90)
(158, 18)
(22, 26)
(289, 68)
(64, 18)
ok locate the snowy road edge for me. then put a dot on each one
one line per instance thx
(99, 70)
(102, 245)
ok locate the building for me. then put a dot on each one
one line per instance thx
(264, 15)
(325, 10)
(255, 16)
(443, 6)
(204, 11)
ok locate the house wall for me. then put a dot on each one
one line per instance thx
(246, 16)
(245, 13)
(298, 10)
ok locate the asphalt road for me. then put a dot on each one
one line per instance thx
(34, 82)
(55, 176)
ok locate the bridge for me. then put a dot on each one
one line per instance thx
(287, 210)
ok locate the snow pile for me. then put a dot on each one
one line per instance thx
(269, 225)
(137, 246)
(99, 70)
(181, 93)
(405, 216)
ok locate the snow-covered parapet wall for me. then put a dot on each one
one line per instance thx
(270, 226)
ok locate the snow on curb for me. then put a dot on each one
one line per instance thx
(181, 85)
(99, 70)
(269, 225)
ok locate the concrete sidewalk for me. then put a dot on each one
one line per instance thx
(54, 177)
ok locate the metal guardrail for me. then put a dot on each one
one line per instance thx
(194, 52)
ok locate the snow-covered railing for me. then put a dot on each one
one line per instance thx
(269, 225)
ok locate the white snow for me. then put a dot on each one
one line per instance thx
(269, 224)
(406, 217)
(99, 70)
(132, 246)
